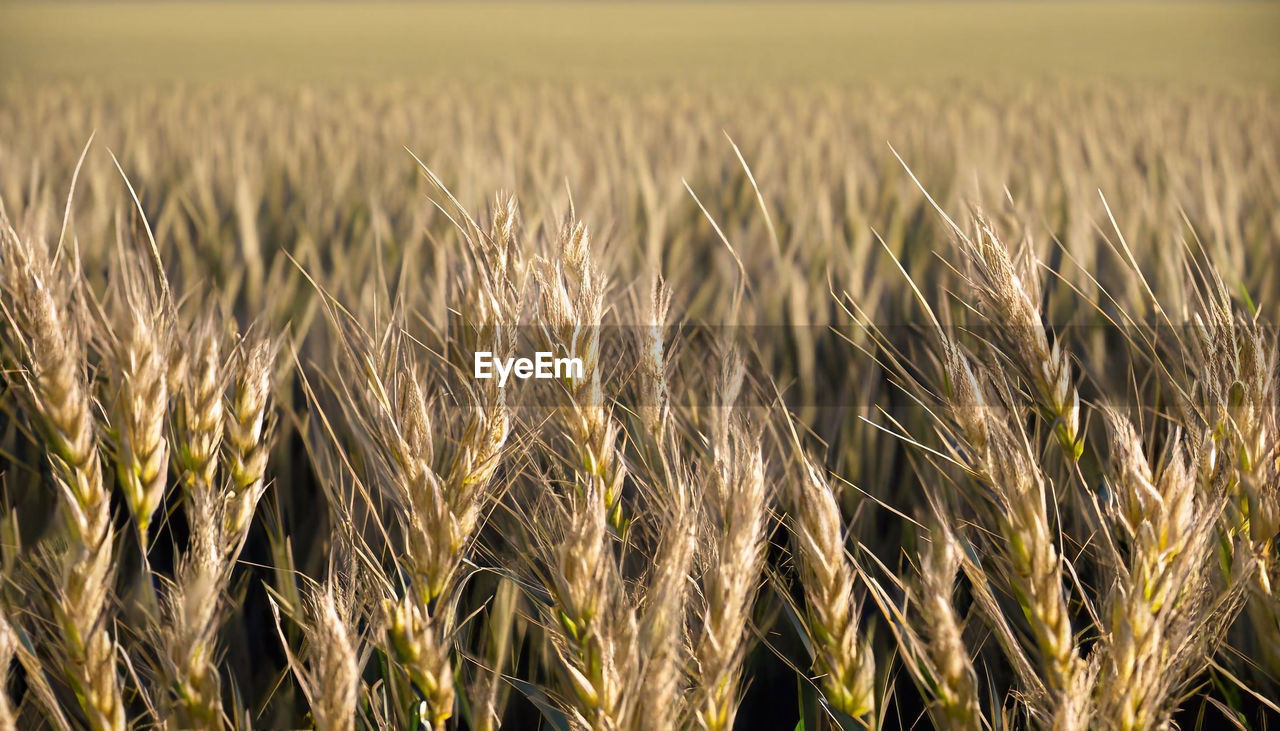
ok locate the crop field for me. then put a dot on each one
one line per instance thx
(925, 369)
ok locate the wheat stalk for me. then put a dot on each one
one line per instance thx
(594, 629)
(142, 449)
(737, 504)
(328, 672)
(1001, 459)
(845, 665)
(192, 603)
(1150, 608)
(1231, 400)
(572, 306)
(664, 651)
(56, 390)
(1013, 312)
(444, 513)
(438, 473)
(955, 683)
(211, 432)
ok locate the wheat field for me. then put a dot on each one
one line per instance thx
(928, 371)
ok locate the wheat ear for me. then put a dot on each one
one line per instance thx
(738, 506)
(1011, 307)
(55, 387)
(955, 683)
(328, 672)
(193, 602)
(844, 663)
(572, 298)
(1157, 604)
(595, 629)
(1001, 459)
(248, 433)
(655, 407)
(445, 509)
(663, 643)
(448, 492)
(1236, 440)
(142, 448)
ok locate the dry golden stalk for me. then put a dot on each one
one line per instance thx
(142, 449)
(654, 407)
(1234, 403)
(1001, 459)
(595, 628)
(219, 519)
(443, 509)
(572, 297)
(672, 527)
(55, 388)
(1154, 610)
(191, 609)
(1012, 310)
(442, 486)
(672, 530)
(955, 683)
(247, 441)
(1254, 403)
(845, 666)
(662, 643)
(199, 427)
(738, 504)
(193, 602)
(329, 672)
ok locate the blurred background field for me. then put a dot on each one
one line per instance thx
(616, 41)
(746, 153)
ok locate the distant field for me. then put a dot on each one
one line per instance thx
(841, 454)
(1197, 41)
